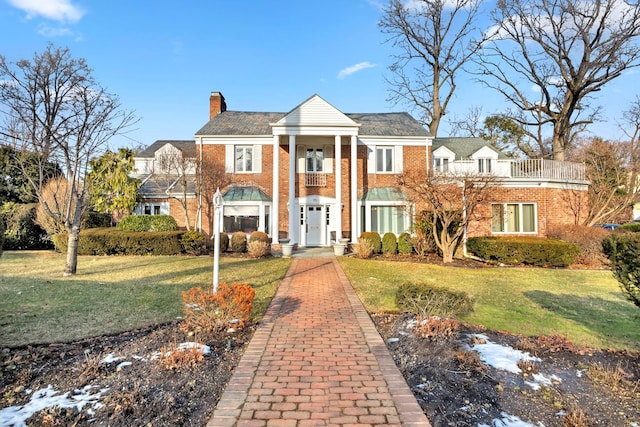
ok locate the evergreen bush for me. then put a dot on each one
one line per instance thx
(259, 236)
(109, 241)
(224, 242)
(623, 250)
(238, 242)
(192, 242)
(524, 250)
(373, 238)
(405, 243)
(21, 230)
(389, 244)
(148, 223)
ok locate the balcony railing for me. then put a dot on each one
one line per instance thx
(538, 169)
(315, 179)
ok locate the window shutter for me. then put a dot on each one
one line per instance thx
(257, 158)
(397, 159)
(302, 158)
(328, 158)
(229, 158)
(371, 160)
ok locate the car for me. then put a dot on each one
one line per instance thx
(610, 226)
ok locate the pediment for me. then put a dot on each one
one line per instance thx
(315, 111)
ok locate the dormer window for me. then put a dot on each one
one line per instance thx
(484, 165)
(441, 164)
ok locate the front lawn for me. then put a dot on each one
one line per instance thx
(111, 294)
(585, 306)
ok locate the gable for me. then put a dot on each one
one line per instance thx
(444, 153)
(485, 152)
(315, 111)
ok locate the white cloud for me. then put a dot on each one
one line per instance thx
(57, 10)
(49, 32)
(345, 72)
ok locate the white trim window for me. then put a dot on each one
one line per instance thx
(441, 164)
(161, 208)
(244, 158)
(514, 218)
(484, 165)
(384, 159)
(315, 159)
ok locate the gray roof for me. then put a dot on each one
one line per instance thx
(187, 147)
(464, 147)
(163, 185)
(255, 123)
(385, 194)
(245, 194)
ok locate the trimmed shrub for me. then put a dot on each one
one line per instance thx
(148, 223)
(389, 244)
(205, 311)
(623, 250)
(21, 230)
(373, 238)
(238, 242)
(192, 242)
(363, 248)
(588, 239)
(224, 242)
(93, 219)
(259, 236)
(405, 243)
(633, 226)
(109, 241)
(524, 250)
(258, 249)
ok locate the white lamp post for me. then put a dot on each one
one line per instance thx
(217, 206)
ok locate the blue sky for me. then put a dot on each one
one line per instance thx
(164, 58)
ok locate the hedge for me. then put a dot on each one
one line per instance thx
(111, 241)
(524, 250)
(155, 223)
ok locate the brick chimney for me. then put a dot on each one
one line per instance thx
(216, 104)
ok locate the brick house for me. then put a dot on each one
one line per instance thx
(315, 174)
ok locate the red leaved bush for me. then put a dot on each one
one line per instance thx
(588, 239)
(205, 311)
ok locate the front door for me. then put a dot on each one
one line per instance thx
(314, 225)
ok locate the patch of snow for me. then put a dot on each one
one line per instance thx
(186, 346)
(123, 364)
(509, 421)
(109, 358)
(541, 380)
(393, 340)
(579, 372)
(500, 356)
(48, 398)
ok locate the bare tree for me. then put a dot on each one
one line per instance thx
(176, 164)
(567, 50)
(60, 114)
(612, 184)
(470, 125)
(212, 176)
(451, 205)
(435, 39)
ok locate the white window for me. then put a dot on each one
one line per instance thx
(152, 208)
(384, 159)
(484, 165)
(244, 158)
(441, 164)
(513, 218)
(389, 219)
(315, 160)
(246, 218)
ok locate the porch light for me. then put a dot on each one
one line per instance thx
(217, 206)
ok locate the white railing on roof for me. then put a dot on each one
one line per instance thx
(315, 179)
(540, 169)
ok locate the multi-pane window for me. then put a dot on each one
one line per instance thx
(315, 159)
(384, 159)
(441, 164)
(484, 165)
(389, 219)
(513, 218)
(244, 158)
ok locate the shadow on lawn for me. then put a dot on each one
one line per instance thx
(601, 316)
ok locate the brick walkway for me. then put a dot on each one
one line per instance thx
(316, 359)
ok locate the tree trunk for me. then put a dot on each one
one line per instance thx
(72, 252)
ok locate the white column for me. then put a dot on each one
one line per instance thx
(354, 189)
(293, 234)
(338, 161)
(276, 190)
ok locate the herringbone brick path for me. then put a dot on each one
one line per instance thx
(317, 360)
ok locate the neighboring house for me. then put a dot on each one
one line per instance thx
(167, 171)
(315, 174)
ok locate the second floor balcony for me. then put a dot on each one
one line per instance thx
(526, 169)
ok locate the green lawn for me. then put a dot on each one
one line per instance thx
(587, 307)
(111, 294)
